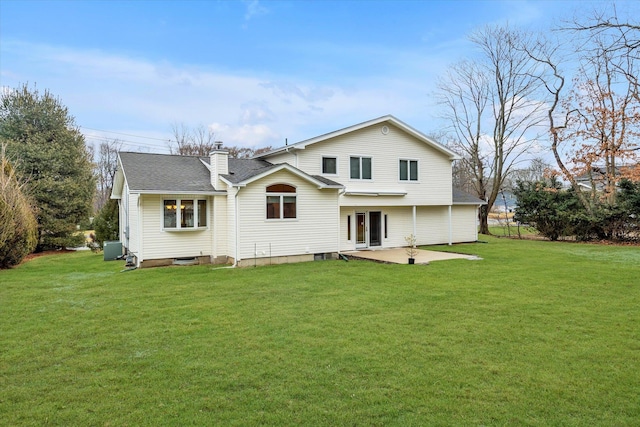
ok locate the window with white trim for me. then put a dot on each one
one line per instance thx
(360, 167)
(329, 165)
(408, 170)
(281, 201)
(184, 214)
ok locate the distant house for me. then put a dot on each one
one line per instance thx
(595, 179)
(505, 202)
(366, 186)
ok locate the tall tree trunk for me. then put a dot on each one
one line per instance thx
(483, 217)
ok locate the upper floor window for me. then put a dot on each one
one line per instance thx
(281, 201)
(408, 170)
(360, 167)
(330, 165)
(184, 213)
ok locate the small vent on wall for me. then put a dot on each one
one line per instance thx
(385, 130)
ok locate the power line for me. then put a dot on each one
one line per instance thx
(125, 142)
(128, 134)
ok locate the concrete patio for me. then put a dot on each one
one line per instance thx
(399, 255)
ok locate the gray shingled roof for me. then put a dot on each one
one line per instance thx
(462, 198)
(243, 169)
(173, 173)
(326, 181)
(167, 173)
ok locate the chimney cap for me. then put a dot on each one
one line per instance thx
(217, 145)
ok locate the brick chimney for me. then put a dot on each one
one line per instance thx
(219, 159)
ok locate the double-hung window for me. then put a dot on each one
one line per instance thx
(184, 214)
(329, 165)
(360, 167)
(408, 170)
(281, 201)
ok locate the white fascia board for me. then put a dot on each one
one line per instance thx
(207, 165)
(118, 181)
(231, 184)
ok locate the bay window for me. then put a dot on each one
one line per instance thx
(184, 214)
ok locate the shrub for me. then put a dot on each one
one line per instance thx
(546, 207)
(18, 224)
(105, 223)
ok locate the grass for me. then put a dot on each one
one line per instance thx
(537, 333)
(512, 230)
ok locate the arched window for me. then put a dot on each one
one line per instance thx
(281, 201)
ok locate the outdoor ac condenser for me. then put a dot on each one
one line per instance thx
(112, 250)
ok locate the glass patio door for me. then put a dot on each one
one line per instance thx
(361, 230)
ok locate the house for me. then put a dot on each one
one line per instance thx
(365, 186)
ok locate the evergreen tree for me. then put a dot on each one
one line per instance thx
(106, 223)
(51, 156)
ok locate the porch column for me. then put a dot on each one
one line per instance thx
(415, 231)
(450, 227)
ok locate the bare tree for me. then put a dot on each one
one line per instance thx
(237, 152)
(492, 109)
(608, 123)
(465, 94)
(106, 165)
(191, 142)
(200, 141)
(559, 114)
(616, 37)
(537, 170)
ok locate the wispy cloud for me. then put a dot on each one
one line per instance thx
(253, 8)
(135, 93)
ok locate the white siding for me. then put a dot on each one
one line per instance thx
(161, 244)
(133, 223)
(434, 168)
(465, 219)
(432, 225)
(313, 231)
(231, 230)
(123, 218)
(218, 223)
(399, 225)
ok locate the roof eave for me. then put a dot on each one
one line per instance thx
(388, 118)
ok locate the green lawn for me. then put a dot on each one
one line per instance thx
(536, 333)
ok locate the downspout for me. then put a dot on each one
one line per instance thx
(450, 227)
(214, 229)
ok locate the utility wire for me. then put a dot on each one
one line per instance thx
(128, 134)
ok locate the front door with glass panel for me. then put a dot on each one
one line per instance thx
(361, 230)
(375, 229)
(368, 229)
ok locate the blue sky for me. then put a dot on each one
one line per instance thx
(256, 72)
